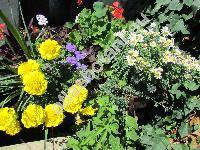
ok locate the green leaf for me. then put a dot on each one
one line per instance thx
(114, 128)
(98, 6)
(163, 2)
(184, 129)
(162, 18)
(196, 3)
(132, 135)
(191, 85)
(188, 2)
(175, 5)
(69, 25)
(131, 122)
(16, 34)
(180, 26)
(180, 147)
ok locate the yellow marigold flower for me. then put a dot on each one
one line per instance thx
(29, 66)
(8, 121)
(72, 104)
(79, 92)
(88, 111)
(33, 116)
(78, 120)
(53, 115)
(35, 83)
(49, 49)
(14, 128)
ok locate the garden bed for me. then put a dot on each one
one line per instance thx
(103, 81)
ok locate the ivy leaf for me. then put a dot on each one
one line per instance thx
(184, 129)
(191, 85)
(175, 5)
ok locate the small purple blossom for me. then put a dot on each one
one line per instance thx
(72, 60)
(81, 66)
(71, 47)
(80, 55)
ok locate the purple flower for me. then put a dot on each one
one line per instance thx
(80, 55)
(81, 66)
(71, 47)
(72, 60)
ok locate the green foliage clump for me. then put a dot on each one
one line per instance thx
(95, 28)
(181, 16)
(109, 129)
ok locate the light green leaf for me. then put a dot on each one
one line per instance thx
(175, 5)
(188, 2)
(184, 129)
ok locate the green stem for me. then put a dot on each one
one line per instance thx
(45, 138)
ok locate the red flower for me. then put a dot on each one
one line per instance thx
(79, 2)
(2, 26)
(116, 4)
(118, 13)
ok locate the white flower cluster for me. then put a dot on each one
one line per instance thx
(42, 20)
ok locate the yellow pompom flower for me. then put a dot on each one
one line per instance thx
(14, 128)
(49, 49)
(33, 116)
(27, 67)
(88, 111)
(35, 83)
(8, 121)
(79, 92)
(53, 115)
(71, 104)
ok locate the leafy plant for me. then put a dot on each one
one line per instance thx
(181, 17)
(107, 130)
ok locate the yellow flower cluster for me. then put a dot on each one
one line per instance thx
(33, 79)
(88, 111)
(53, 115)
(34, 115)
(35, 83)
(49, 49)
(8, 121)
(29, 66)
(76, 95)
